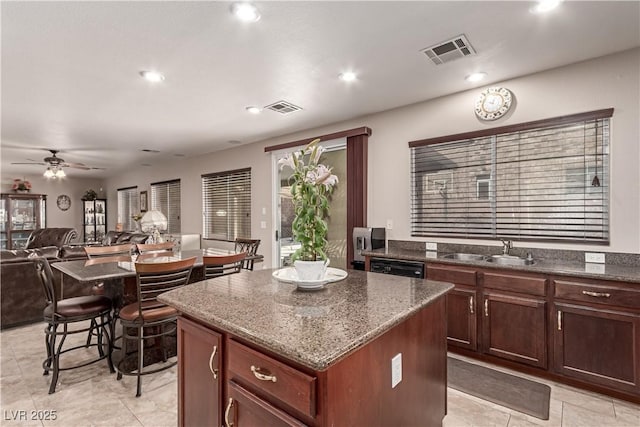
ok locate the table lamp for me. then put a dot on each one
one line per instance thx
(153, 222)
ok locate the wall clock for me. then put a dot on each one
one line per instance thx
(493, 103)
(63, 202)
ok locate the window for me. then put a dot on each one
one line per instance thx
(127, 206)
(165, 197)
(536, 181)
(226, 205)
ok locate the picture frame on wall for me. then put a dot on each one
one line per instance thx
(143, 201)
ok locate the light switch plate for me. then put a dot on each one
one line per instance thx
(431, 254)
(263, 224)
(396, 370)
(431, 246)
(596, 257)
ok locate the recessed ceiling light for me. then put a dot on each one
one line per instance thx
(348, 76)
(152, 76)
(254, 110)
(245, 12)
(544, 6)
(475, 77)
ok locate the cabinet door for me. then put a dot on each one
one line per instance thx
(461, 318)
(514, 328)
(199, 382)
(244, 409)
(597, 345)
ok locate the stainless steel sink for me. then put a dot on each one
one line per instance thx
(510, 260)
(465, 257)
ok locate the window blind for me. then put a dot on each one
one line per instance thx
(527, 184)
(128, 205)
(165, 197)
(226, 205)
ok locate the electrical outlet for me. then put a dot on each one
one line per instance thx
(396, 370)
(263, 224)
(431, 246)
(389, 224)
(431, 254)
(594, 268)
(597, 257)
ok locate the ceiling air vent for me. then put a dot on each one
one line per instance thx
(450, 50)
(283, 107)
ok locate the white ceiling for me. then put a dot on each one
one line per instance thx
(70, 69)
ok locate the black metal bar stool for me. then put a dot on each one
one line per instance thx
(148, 317)
(70, 311)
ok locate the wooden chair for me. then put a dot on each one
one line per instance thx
(154, 247)
(149, 317)
(70, 311)
(250, 246)
(222, 265)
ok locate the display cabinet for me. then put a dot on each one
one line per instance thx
(21, 214)
(94, 220)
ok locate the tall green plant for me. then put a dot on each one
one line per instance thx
(311, 185)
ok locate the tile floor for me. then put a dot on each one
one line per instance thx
(90, 396)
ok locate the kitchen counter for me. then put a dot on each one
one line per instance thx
(549, 266)
(315, 329)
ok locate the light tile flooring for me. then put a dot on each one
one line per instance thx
(90, 396)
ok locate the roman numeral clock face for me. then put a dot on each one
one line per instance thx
(493, 103)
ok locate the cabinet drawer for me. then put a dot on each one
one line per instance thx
(530, 285)
(456, 275)
(272, 378)
(598, 294)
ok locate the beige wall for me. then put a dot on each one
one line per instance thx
(612, 81)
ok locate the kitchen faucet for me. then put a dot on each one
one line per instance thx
(506, 246)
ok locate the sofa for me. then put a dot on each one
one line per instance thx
(21, 294)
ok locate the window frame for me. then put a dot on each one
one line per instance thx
(238, 224)
(125, 218)
(171, 209)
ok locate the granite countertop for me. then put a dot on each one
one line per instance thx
(315, 328)
(548, 266)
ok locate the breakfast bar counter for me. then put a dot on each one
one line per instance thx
(318, 358)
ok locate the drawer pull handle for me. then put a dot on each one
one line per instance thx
(226, 414)
(211, 368)
(470, 305)
(486, 308)
(262, 377)
(597, 294)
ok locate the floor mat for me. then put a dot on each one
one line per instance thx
(517, 393)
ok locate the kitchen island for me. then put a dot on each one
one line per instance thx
(256, 351)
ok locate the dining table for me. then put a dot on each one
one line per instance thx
(119, 273)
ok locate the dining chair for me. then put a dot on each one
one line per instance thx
(148, 317)
(154, 247)
(222, 265)
(250, 246)
(70, 312)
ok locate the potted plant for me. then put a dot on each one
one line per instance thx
(311, 185)
(90, 194)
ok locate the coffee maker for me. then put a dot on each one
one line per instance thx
(366, 239)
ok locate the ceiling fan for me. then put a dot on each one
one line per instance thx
(56, 163)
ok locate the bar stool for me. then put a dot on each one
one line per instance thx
(70, 311)
(222, 265)
(250, 246)
(149, 317)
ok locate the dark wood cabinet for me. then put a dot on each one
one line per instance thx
(514, 328)
(514, 317)
(94, 222)
(199, 375)
(596, 336)
(462, 325)
(21, 214)
(244, 409)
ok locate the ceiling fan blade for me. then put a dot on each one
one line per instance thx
(28, 163)
(76, 166)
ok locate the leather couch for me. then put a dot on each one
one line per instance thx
(21, 294)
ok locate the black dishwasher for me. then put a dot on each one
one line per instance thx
(397, 267)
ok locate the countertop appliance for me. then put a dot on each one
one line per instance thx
(366, 239)
(398, 268)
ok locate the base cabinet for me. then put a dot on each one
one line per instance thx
(244, 409)
(462, 329)
(199, 375)
(514, 328)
